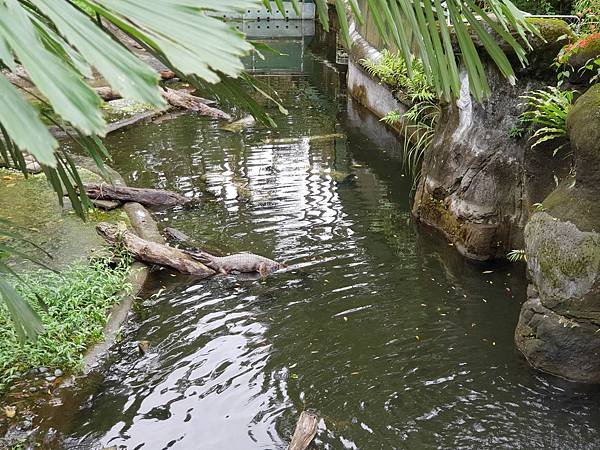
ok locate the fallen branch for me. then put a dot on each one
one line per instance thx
(185, 100)
(152, 252)
(147, 197)
(305, 431)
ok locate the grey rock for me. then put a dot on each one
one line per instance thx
(25, 424)
(42, 369)
(478, 183)
(50, 378)
(559, 325)
(32, 389)
(58, 373)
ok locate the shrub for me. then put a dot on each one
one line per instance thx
(582, 55)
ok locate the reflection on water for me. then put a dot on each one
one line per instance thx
(388, 334)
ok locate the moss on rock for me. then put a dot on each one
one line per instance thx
(585, 49)
(584, 132)
(120, 109)
(552, 29)
(564, 263)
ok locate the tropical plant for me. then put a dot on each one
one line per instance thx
(77, 302)
(391, 68)
(544, 6)
(546, 113)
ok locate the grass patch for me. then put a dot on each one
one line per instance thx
(78, 301)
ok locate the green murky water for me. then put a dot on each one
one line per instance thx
(384, 331)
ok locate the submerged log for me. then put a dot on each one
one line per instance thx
(305, 432)
(147, 197)
(152, 252)
(185, 100)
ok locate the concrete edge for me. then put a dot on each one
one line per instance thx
(369, 91)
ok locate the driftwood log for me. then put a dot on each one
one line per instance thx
(305, 431)
(185, 100)
(147, 197)
(152, 252)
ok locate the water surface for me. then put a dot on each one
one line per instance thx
(385, 331)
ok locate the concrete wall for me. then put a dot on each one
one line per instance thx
(368, 91)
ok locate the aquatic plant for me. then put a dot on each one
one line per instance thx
(74, 314)
(546, 113)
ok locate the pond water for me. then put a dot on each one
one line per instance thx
(384, 330)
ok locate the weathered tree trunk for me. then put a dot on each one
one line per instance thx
(152, 252)
(306, 429)
(147, 197)
(183, 99)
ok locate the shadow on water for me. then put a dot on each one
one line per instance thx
(393, 338)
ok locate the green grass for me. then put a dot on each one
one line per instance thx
(78, 302)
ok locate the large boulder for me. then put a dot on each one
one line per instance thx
(559, 326)
(479, 182)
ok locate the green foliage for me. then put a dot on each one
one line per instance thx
(585, 52)
(410, 85)
(421, 119)
(546, 113)
(391, 118)
(77, 302)
(589, 13)
(544, 7)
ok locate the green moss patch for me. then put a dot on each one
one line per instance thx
(120, 109)
(552, 29)
(78, 301)
(31, 204)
